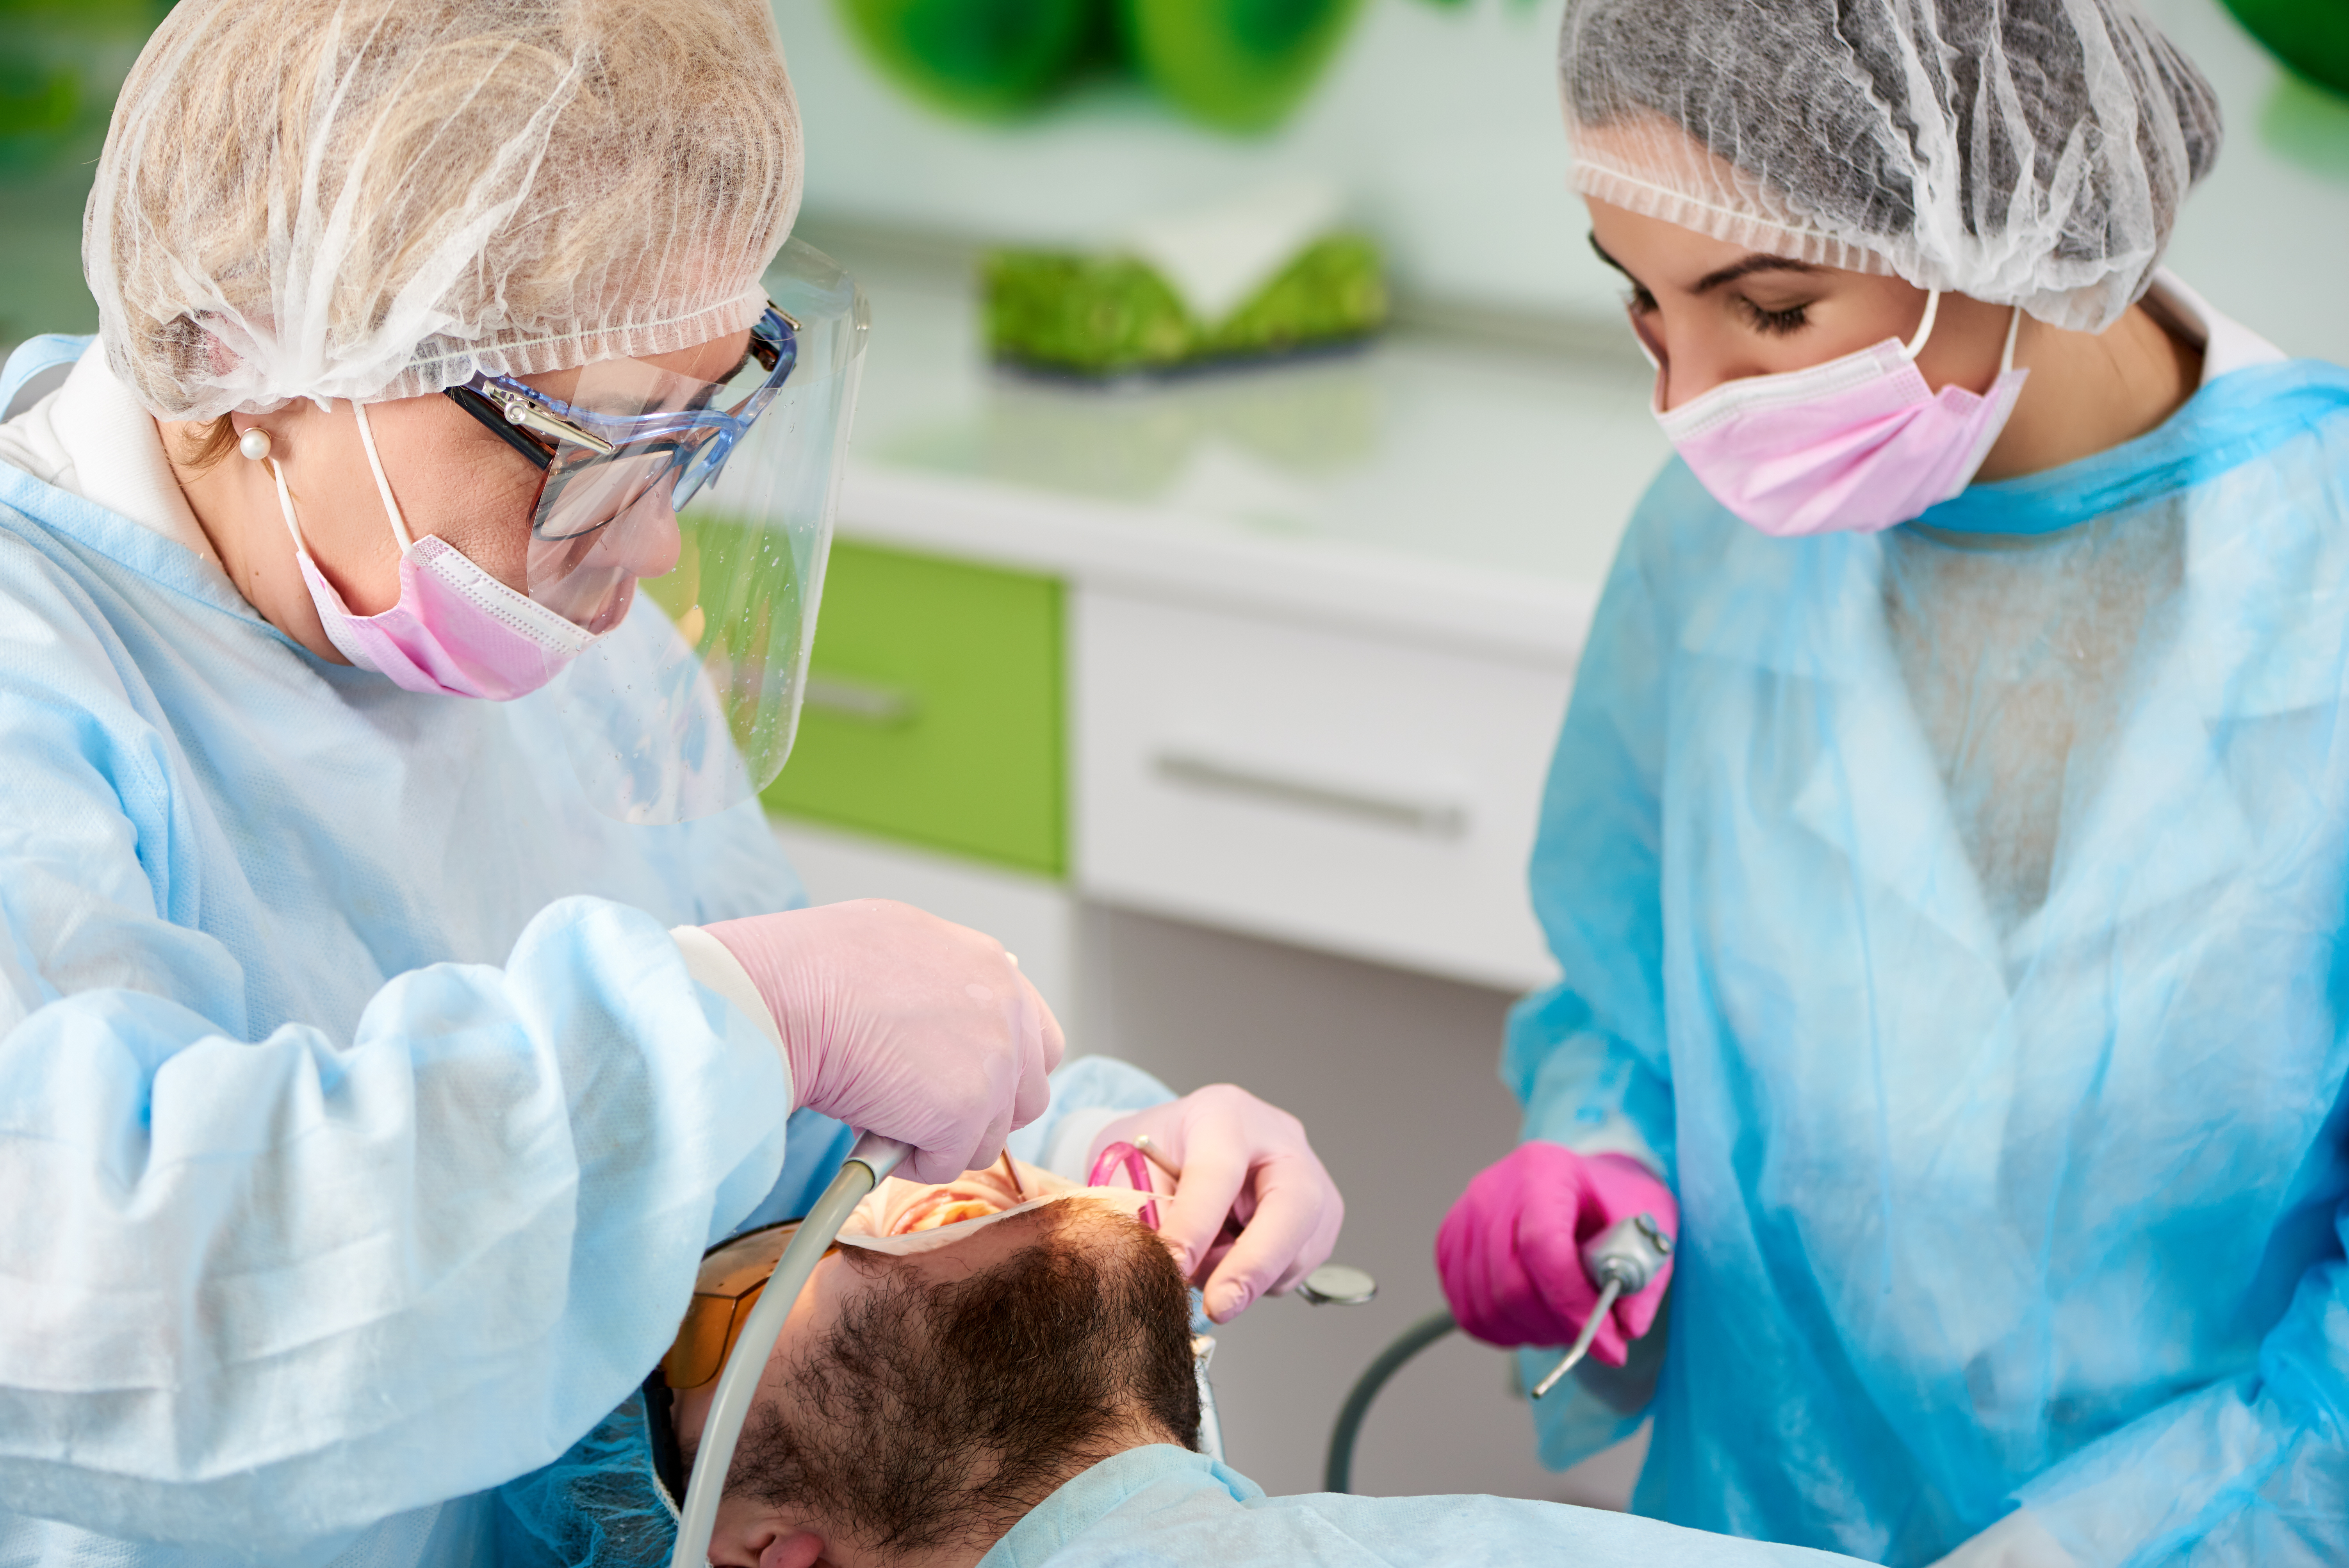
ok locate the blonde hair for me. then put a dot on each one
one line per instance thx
(374, 199)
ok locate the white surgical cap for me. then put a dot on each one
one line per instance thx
(2029, 153)
(377, 198)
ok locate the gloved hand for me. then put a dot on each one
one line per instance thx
(1248, 1161)
(1510, 1252)
(899, 1023)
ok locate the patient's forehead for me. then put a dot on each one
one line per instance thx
(854, 1272)
(1073, 1223)
(984, 1247)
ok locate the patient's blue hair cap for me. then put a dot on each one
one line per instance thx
(600, 1505)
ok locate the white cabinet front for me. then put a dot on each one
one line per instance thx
(1370, 796)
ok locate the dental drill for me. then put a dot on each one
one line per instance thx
(1620, 1260)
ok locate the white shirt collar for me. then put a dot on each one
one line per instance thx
(2226, 345)
(91, 438)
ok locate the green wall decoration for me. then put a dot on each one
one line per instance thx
(987, 58)
(2312, 36)
(1236, 65)
(1239, 65)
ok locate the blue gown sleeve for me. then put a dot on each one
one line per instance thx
(1586, 1057)
(1088, 1092)
(260, 1287)
(2248, 1472)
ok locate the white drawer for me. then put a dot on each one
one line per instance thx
(1372, 797)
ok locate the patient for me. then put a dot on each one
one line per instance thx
(918, 1406)
(1023, 1392)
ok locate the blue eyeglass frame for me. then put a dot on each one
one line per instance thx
(699, 440)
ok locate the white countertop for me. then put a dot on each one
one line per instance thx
(1437, 488)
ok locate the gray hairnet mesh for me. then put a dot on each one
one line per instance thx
(375, 199)
(2029, 153)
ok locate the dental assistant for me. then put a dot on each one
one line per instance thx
(1945, 849)
(398, 984)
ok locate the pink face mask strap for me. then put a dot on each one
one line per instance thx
(286, 505)
(1916, 345)
(382, 485)
(1925, 328)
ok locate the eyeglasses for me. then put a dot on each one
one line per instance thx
(597, 463)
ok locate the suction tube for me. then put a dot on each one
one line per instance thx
(873, 1159)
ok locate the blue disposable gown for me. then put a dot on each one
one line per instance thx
(1154, 1507)
(360, 1126)
(1164, 1507)
(1956, 917)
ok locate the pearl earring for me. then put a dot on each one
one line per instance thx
(254, 443)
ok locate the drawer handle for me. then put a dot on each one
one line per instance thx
(860, 700)
(1433, 819)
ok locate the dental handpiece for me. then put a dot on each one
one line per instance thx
(1620, 1260)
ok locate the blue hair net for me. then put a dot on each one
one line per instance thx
(600, 1505)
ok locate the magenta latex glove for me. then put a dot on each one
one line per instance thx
(1248, 1163)
(1510, 1252)
(899, 1023)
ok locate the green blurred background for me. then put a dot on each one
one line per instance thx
(61, 62)
(1237, 66)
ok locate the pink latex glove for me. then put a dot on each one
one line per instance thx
(1246, 1162)
(1510, 1252)
(899, 1023)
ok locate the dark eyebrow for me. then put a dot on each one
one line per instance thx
(1746, 267)
(1757, 262)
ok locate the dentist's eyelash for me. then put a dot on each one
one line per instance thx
(1777, 323)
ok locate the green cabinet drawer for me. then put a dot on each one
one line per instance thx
(934, 708)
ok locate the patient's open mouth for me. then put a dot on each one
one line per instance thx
(945, 1205)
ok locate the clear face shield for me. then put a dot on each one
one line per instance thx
(713, 499)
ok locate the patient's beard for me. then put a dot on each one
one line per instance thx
(937, 1414)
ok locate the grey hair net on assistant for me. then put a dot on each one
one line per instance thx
(377, 199)
(2029, 153)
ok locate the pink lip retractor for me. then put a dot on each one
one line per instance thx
(1126, 1158)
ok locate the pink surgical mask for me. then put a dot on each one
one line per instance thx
(456, 629)
(1856, 445)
